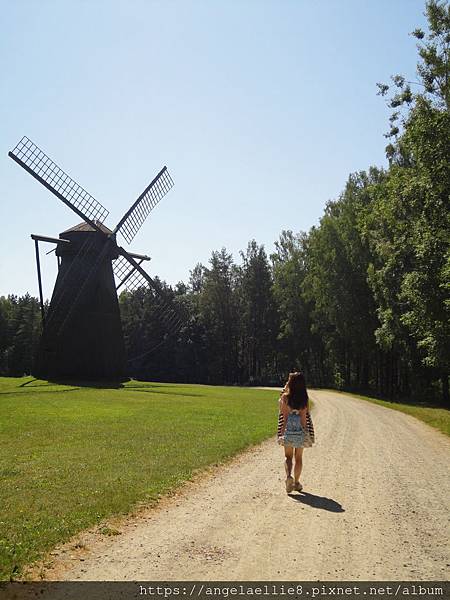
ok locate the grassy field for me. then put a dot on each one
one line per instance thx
(72, 456)
(434, 416)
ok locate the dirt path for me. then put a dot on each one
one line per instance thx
(375, 506)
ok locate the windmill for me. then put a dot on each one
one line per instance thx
(82, 333)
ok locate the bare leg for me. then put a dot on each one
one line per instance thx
(298, 464)
(288, 453)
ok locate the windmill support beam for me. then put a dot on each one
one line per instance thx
(38, 266)
(142, 257)
(51, 240)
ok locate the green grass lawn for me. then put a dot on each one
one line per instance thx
(439, 418)
(72, 456)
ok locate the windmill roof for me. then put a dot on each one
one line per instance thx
(83, 226)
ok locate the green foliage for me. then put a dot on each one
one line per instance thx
(344, 312)
(409, 227)
(433, 70)
(258, 317)
(219, 309)
(20, 327)
(229, 333)
(298, 344)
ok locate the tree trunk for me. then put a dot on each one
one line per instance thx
(445, 390)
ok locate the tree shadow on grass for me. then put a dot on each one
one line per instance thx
(44, 391)
(98, 384)
(41, 385)
(108, 385)
(317, 502)
(29, 383)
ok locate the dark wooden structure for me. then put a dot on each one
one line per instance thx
(92, 347)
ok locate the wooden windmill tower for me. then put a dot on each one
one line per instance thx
(82, 332)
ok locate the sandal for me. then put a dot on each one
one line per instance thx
(298, 486)
(289, 484)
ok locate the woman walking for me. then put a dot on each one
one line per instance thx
(296, 431)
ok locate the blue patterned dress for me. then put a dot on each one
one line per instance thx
(294, 434)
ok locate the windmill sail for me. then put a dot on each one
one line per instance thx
(42, 168)
(133, 219)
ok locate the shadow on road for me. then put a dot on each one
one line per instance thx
(318, 502)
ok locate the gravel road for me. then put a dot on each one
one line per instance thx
(375, 506)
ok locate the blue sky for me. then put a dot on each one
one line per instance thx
(260, 109)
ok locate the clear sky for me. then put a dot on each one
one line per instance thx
(260, 109)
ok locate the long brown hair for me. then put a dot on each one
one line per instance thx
(297, 396)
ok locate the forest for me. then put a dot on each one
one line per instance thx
(361, 301)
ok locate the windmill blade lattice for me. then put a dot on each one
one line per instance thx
(136, 215)
(41, 167)
(126, 275)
